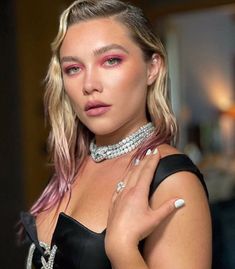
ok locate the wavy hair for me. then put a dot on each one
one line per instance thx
(69, 139)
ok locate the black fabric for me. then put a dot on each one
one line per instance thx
(30, 227)
(171, 165)
(80, 248)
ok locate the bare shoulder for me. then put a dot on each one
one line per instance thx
(183, 183)
(186, 234)
(166, 150)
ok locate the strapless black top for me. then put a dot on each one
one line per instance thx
(73, 245)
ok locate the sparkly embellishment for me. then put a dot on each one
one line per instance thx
(120, 186)
(48, 252)
(126, 145)
(30, 256)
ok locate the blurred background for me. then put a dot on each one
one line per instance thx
(200, 40)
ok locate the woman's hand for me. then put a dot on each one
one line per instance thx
(130, 217)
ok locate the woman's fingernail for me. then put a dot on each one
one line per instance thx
(179, 203)
(148, 152)
(155, 151)
(137, 161)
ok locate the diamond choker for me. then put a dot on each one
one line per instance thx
(126, 145)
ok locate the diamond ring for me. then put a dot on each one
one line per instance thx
(120, 186)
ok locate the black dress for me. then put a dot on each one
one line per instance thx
(73, 245)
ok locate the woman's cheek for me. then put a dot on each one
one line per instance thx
(115, 81)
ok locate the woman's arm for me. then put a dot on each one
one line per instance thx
(183, 240)
(131, 219)
(123, 251)
(174, 238)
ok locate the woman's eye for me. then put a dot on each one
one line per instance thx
(112, 61)
(72, 70)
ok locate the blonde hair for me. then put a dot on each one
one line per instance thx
(69, 139)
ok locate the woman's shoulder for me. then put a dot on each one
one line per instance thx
(167, 150)
(175, 171)
(190, 226)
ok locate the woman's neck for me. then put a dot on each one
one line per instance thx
(118, 135)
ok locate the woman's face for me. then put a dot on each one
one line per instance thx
(106, 77)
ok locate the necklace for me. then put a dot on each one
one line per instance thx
(126, 145)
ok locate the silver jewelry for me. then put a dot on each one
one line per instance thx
(48, 251)
(120, 186)
(126, 145)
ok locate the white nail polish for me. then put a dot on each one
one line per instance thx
(137, 161)
(148, 152)
(155, 151)
(179, 203)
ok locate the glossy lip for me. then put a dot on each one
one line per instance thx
(96, 108)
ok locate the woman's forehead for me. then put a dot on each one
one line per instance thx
(96, 34)
(98, 27)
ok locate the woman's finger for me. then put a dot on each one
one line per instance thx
(134, 173)
(146, 174)
(142, 171)
(166, 209)
(120, 186)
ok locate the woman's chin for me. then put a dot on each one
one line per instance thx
(102, 132)
(102, 128)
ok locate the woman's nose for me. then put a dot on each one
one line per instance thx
(92, 82)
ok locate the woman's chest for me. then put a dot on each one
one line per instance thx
(79, 232)
(92, 192)
(73, 246)
(88, 202)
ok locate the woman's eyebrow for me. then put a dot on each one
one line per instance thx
(69, 59)
(96, 52)
(104, 49)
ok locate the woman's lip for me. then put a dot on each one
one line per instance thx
(97, 111)
(94, 104)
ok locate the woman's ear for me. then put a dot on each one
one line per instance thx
(153, 68)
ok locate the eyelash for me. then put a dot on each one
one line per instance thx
(117, 60)
(70, 70)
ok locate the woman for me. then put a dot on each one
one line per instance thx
(121, 195)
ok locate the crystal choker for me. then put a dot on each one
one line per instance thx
(126, 145)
